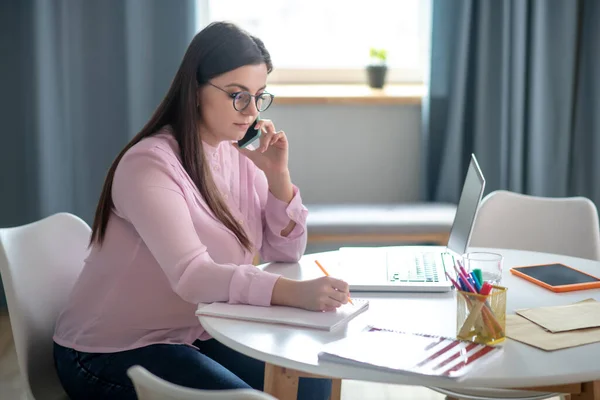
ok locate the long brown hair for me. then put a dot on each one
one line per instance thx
(218, 48)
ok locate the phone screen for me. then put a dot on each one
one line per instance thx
(251, 134)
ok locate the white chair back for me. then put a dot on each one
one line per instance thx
(150, 387)
(508, 220)
(39, 263)
(567, 225)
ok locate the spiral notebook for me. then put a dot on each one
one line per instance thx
(410, 354)
(327, 321)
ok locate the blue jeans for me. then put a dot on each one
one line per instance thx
(104, 375)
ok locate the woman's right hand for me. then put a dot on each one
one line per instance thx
(321, 294)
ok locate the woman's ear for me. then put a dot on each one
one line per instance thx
(198, 95)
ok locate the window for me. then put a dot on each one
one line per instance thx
(328, 41)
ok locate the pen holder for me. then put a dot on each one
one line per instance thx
(480, 318)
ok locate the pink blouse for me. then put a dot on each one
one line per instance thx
(164, 251)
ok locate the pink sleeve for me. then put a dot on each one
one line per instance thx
(146, 193)
(276, 215)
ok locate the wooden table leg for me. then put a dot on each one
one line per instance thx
(281, 382)
(589, 391)
(336, 389)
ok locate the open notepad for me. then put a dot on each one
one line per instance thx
(410, 354)
(327, 321)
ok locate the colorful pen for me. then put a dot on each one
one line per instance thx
(479, 275)
(486, 288)
(463, 270)
(476, 282)
(470, 287)
(456, 284)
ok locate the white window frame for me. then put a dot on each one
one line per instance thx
(346, 75)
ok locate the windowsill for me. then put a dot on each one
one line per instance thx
(358, 94)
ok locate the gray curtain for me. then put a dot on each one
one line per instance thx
(518, 84)
(79, 79)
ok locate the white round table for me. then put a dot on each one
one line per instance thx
(435, 313)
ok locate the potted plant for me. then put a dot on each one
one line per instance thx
(377, 70)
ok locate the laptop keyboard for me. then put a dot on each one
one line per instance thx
(424, 269)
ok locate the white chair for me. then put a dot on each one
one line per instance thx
(39, 263)
(150, 387)
(566, 225)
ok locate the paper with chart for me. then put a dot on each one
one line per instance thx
(410, 354)
(327, 321)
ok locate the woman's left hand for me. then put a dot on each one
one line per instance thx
(271, 156)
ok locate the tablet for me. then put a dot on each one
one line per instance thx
(557, 277)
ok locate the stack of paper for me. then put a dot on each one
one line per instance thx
(410, 354)
(559, 327)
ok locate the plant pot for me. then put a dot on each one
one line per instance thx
(376, 74)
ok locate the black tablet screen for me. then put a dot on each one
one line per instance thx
(557, 274)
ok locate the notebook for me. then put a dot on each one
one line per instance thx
(410, 354)
(327, 321)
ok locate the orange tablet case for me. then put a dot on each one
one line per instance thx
(560, 288)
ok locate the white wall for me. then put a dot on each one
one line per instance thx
(352, 153)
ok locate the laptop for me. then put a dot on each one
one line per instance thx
(410, 269)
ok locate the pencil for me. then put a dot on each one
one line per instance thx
(327, 274)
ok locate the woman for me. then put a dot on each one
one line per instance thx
(182, 212)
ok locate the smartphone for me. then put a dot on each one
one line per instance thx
(251, 135)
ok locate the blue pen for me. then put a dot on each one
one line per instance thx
(473, 284)
(476, 282)
(462, 285)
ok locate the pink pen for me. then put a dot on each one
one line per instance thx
(456, 270)
(468, 284)
(459, 275)
(456, 285)
(463, 270)
(465, 279)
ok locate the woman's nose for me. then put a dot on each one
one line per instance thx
(251, 109)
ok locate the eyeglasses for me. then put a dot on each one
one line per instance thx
(241, 100)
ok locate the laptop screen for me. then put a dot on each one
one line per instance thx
(467, 209)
